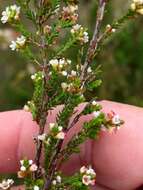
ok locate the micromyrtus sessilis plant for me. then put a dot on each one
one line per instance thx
(62, 81)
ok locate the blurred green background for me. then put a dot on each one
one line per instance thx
(121, 59)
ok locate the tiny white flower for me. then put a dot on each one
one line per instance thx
(69, 61)
(64, 85)
(76, 27)
(62, 61)
(96, 114)
(86, 180)
(73, 73)
(85, 37)
(18, 44)
(73, 8)
(54, 63)
(21, 162)
(36, 187)
(83, 169)
(23, 168)
(42, 137)
(133, 6)
(113, 30)
(10, 181)
(21, 41)
(54, 182)
(33, 77)
(89, 70)
(60, 135)
(116, 120)
(51, 125)
(30, 162)
(47, 141)
(90, 171)
(59, 179)
(33, 168)
(64, 73)
(108, 27)
(6, 184)
(26, 108)
(94, 103)
(13, 46)
(60, 128)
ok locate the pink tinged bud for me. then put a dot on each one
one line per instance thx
(33, 168)
(110, 115)
(92, 182)
(83, 170)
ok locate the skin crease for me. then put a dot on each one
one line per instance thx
(116, 157)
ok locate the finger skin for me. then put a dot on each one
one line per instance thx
(117, 158)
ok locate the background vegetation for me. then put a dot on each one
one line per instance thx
(121, 59)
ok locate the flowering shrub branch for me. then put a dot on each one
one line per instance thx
(60, 81)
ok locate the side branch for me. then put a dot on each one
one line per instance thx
(94, 42)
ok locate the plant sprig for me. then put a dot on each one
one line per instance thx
(60, 81)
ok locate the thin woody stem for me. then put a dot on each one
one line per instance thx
(94, 42)
(44, 100)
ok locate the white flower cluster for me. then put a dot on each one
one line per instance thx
(72, 88)
(18, 44)
(37, 76)
(114, 122)
(27, 166)
(59, 64)
(114, 118)
(137, 6)
(110, 29)
(88, 176)
(69, 13)
(58, 179)
(44, 138)
(80, 33)
(56, 131)
(6, 184)
(28, 107)
(10, 14)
